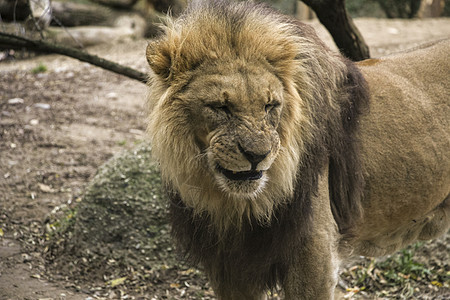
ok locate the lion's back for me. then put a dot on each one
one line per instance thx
(426, 67)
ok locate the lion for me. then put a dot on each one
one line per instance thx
(281, 158)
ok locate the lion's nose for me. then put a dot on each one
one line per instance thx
(252, 157)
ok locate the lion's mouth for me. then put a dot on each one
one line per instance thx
(245, 175)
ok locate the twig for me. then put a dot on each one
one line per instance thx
(10, 41)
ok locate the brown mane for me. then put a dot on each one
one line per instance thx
(335, 94)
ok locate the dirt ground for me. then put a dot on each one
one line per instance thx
(57, 127)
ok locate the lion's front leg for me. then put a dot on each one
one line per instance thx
(248, 297)
(239, 293)
(314, 264)
(314, 271)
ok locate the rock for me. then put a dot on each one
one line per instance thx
(42, 105)
(112, 96)
(34, 122)
(15, 101)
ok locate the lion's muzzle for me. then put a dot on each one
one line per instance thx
(240, 162)
(253, 157)
(254, 173)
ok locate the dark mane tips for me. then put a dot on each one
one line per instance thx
(346, 181)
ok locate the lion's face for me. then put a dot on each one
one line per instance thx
(226, 120)
(236, 112)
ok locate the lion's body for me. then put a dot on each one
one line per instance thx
(406, 149)
(277, 162)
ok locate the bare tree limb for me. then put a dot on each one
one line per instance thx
(10, 41)
(333, 15)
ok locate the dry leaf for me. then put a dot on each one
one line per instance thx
(436, 283)
(116, 282)
(45, 188)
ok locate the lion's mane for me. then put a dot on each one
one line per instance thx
(324, 95)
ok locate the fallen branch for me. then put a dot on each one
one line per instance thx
(10, 41)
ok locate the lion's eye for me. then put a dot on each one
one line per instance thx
(269, 106)
(224, 108)
(219, 108)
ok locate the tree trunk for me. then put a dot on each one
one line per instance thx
(120, 4)
(78, 14)
(400, 8)
(174, 7)
(288, 7)
(333, 15)
(14, 10)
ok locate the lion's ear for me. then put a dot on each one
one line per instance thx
(159, 58)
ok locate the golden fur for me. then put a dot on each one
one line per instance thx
(406, 154)
(274, 165)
